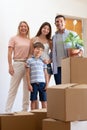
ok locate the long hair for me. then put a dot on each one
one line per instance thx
(48, 36)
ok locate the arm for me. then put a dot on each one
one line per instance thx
(81, 50)
(11, 70)
(54, 54)
(50, 43)
(48, 61)
(46, 78)
(28, 79)
(31, 47)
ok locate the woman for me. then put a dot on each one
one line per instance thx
(44, 36)
(18, 50)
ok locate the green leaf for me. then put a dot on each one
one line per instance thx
(74, 39)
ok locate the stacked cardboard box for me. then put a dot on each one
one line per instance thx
(17, 121)
(39, 114)
(74, 70)
(52, 124)
(23, 120)
(66, 106)
(67, 103)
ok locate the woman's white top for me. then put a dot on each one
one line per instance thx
(45, 54)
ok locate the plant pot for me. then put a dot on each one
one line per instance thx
(73, 52)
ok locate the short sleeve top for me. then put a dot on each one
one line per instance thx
(21, 47)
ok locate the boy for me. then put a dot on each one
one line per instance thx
(37, 77)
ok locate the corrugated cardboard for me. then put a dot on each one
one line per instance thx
(51, 124)
(74, 70)
(17, 122)
(67, 102)
(40, 114)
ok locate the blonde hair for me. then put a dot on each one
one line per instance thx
(28, 32)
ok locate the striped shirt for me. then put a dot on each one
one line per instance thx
(37, 67)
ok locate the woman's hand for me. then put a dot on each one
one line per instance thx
(46, 61)
(11, 70)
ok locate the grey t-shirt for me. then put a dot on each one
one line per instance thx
(60, 49)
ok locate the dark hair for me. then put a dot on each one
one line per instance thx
(58, 16)
(38, 45)
(48, 36)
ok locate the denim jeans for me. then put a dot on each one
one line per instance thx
(57, 76)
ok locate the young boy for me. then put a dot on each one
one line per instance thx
(37, 77)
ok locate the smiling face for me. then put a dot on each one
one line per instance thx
(38, 52)
(60, 23)
(45, 30)
(38, 49)
(23, 29)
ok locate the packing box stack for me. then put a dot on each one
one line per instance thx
(74, 70)
(39, 114)
(66, 107)
(17, 121)
(67, 102)
(52, 124)
(23, 120)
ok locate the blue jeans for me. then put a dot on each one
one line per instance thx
(38, 87)
(57, 76)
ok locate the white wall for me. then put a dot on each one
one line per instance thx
(34, 12)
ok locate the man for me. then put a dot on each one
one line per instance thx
(60, 48)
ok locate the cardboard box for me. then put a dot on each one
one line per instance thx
(51, 124)
(74, 70)
(17, 122)
(40, 114)
(67, 102)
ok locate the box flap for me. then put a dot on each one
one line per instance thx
(63, 86)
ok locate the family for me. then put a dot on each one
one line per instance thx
(34, 60)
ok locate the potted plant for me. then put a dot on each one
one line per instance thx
(75, 43)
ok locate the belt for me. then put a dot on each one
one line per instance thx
(19, 60)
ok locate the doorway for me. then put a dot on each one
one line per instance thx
(74, 25)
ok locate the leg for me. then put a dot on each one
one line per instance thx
(15, 81)
(44, 104)
(33, 105)
(25, 102)
(43, 95)
(37, 104)
(33, 96)
(57, 76)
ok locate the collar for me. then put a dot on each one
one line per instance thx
(58, 32)
(36, 58)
